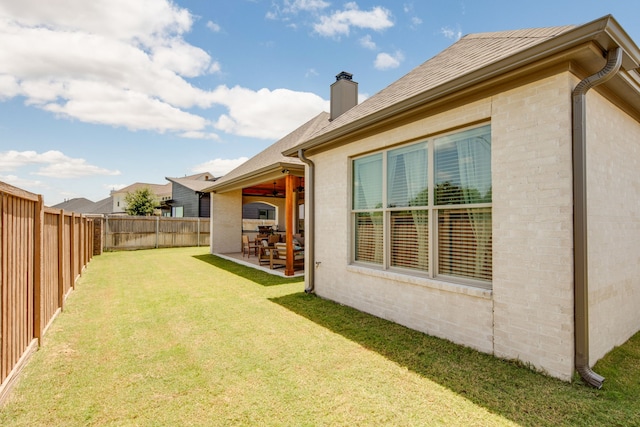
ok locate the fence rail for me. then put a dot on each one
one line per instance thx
(143, 232)
(42, 253)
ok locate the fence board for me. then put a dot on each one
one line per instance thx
(128, 233)
(42, 252)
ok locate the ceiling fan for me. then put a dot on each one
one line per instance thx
(275, 193)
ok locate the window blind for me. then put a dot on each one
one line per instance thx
(368, 235)
(409, 239)
(464, 243)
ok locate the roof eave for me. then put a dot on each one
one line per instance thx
(255, 177)
(605, 31)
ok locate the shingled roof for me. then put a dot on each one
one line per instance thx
(469, 54)
(272, 157)
(197, 182)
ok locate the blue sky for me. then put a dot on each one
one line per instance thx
(96, 95)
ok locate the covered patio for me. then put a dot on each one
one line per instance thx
(252, 262)
(263, 196)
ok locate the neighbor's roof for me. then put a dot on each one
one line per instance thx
(157, 189)
(193, 184)
(472, 59)
(104, 206)
(79, 205)
(272, 157)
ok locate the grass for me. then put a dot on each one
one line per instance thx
(178, 337)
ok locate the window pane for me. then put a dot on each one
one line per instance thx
(407, 176)
(368, 246)
(464, 243)
(410, 239)
(463, 167)
(367, 182)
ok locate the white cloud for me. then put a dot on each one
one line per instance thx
(340, 22)
(451, 33)
(126, 64)
(121, 51)
(200, 135)
(311, 72)
(114, 187)
(215, 67)
(415, 21)
(55, 164)
(219, 167)
(386, 61)
(269, 114)
(23, 183)
(295, 6)
(213, 27)
(367, 42)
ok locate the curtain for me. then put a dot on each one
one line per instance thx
(408, 187)
(368, 182)
(367, 176)
(474, 163)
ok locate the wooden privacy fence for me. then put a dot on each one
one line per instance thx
(42, 253)
(145, 232)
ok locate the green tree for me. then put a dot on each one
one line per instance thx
(141, 202)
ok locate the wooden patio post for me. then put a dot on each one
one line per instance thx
(288, 217)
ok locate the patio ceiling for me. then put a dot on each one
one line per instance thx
(272, 188)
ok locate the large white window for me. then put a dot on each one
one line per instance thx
(425, 207)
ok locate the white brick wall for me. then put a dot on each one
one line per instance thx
(532, 217)
(613, 198)
(226, 220)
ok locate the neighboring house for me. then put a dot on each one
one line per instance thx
(162, 192)
(188, 198)
(489, 197)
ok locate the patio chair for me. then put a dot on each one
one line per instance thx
(273, 239)
(248, 246)
(264, 253)
(279, 256)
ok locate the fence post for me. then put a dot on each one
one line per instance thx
(72, 250)
(37, 268)
(198, 245)
(61, 259)
(157, 230)
(106, 232)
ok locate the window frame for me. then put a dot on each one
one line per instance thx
(432, 209)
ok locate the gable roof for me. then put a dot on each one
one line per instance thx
(78, 204)
(471, 60)
(157, 189)
(197, 185)
(272, 158)
(104, 206)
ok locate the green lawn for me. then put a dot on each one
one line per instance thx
(176, 337)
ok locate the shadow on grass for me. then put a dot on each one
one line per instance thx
(255, 275)
(505, 388)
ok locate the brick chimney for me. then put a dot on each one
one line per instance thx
(344, 94)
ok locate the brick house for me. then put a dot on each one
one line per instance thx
(490, 197)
